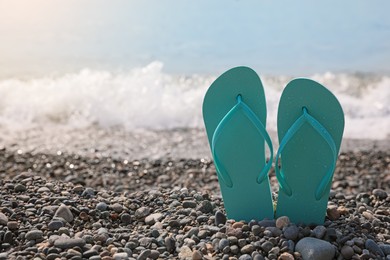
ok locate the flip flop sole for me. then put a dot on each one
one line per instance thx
(241, 148)
(307, 156)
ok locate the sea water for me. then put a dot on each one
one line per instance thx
(149, 98)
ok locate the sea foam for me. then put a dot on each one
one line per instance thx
(148, 97)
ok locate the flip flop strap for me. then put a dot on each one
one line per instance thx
(307, 118)
(240, 106)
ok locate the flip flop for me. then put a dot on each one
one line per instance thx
(234, 113)
(310, 129)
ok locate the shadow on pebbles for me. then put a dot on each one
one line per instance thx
(71, 207)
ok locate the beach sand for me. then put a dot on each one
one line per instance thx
(111, 194)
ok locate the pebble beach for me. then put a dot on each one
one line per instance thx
(102, 204)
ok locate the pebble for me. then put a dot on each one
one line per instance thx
(142, 212)
(101, 206)
(347, 252)
(13, 225)
(286, 256)
(319, 231)
(291, 232)
(144, 254)
(170, 244)
(126, 218)
(220, 218)
(381, 194)
(245, 257)
(185, 253)
(34, 235)
(189, 204)
(332, 213)
(64, 212)
(373, 247)
(282, 222)
(65, 243)
(153, 218)
(196, 255)
(55, 225)
(313, 248)
(3, 219)
(267, 246)
(248, 249)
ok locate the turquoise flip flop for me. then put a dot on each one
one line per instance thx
(310, 129)
(234, 113)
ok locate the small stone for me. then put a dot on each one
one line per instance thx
(126, 218)
(3, 219)
(319, 231)
(4, 256)
(282, 222)
(206, 207)
(267, 246)
(43, 189)
(248, 249)
(196, 255)
(373, 247)
(142, 212)
(55, 225)
(291, 232)
(144, 254)
(245, 257)
(185, 253)
(238, 225)
(101, 206)
(20, 188)
(332, 213)
(313, 248)
(154, 254)
(223, 243)
(64, 212)
(220, 218)
(189, 204)
(385, 249)
(170, 244)
(379, 193)
(118, 208)
(153, 218)
(347, 252)
(89, 253)
(368, 215)
(256, 230)
(12, 225)
(267, 223)
(34, 235)
(65, 243)
(286, 256)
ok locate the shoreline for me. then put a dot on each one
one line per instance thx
(188, 143)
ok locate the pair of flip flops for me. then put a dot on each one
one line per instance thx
(310, 128)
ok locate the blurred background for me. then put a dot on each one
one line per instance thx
(71, 65)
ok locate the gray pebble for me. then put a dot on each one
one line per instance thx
(20, 188)
(256, 230)
(55, 225)
(126, 218)
(189, 204)
(267, 246)
(142, 212)
(373, 247)
(120, 256)
(34, 235)
(313, 248)
(245, 257)
(319, 231)
(385, 248)
(65, 243)
(291, 232)
(101, 206)
(223, 243)
(381, 194)
(64, 212)
(3, 219)
(220, 218)
(347, 252)
(206, 207)
(170, 244)
(89, 253)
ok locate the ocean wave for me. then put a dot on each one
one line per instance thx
(147, 97)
